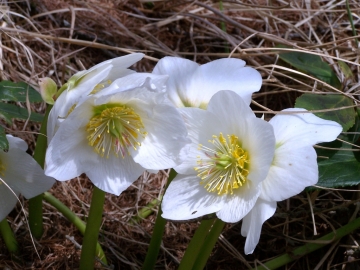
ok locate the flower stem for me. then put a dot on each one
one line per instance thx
(310, 247)
(74, 219)
(208, 245)
(87, 258)
(159, 228)
(195, 245)
(352, 23)
(35, 204)
(146, 211)
(9, 237)
(223, 26)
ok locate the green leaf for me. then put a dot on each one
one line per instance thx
(4, 144)
(313, 65)
(9, 111)
(345, 117)
(340, 170)
(10, 91)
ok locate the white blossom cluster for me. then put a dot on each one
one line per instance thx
(113, 124)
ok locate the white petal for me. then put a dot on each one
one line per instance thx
(74, 96)
(252, 223)
(180, 72)
(239, 203)
(146, 81)
(290, 173)
(186, 199)
(24, 174)
(256, 135)
(127, 60)
(113, 174)
(260, 144)
(232, 110)
(194, 120)
(303, 129)
(69, 149)
(7, 200)
(84, 88)
(116, 73)
(167, 135)
(223, 74)
(15, 142)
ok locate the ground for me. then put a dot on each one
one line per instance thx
(48, 38)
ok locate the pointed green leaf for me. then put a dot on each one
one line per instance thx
(4, 144)
(10, 91)
(9, 111)
(313, 65)
(345, 117)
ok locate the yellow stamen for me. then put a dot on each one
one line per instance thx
(115, 128)
(100, 86)
(226, 167)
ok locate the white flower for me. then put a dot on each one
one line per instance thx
(293, 168)
(88, 82)
(230, 156)
(240, 165)
(191, 85)
(19, 173)
(115, 135)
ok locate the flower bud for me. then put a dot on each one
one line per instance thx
(48, 89)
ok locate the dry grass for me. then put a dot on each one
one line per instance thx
(57, 38)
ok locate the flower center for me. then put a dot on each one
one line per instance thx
(115, 128)
(226, 167)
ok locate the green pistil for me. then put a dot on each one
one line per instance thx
(226, 167)
(114, 128)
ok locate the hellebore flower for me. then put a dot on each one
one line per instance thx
(237, 163)
(293, 168)
(115, 135)
(85, 83)
(19, 173)
(192, 85)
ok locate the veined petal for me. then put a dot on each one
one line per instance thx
(84, 83)
(68, 151)
(256, 135)
(191, 85)
(232, 110)
(260, 142)
(302, 129)
(148, 81)
(8, 200)
(82, 89)
(295, 166)
(166, 136)
(290, 173)
(253, 221)
(113, 175)
(194, 120)
(73, 97)
(186, 199)
(24, 174)
(224, 74)
(240, 203)
(180, 72)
